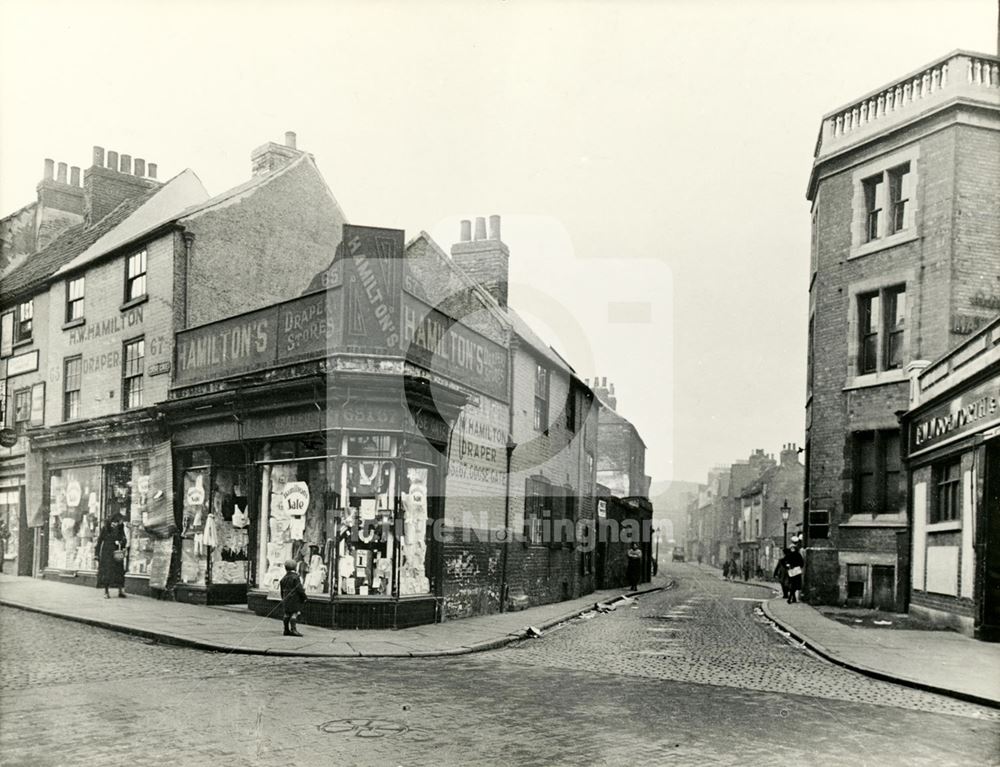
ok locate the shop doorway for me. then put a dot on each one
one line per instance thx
(989, 612)
(884, 587)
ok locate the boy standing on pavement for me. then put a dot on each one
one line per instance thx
(293, 597)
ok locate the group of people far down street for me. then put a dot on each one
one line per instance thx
(788, 572)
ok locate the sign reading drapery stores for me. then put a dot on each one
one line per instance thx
(972, 411)
(287, 332)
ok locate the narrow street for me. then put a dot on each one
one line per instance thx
(694, 675)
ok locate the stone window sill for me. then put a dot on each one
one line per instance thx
(881, 378)
(944, 527)
(875, 246)
(133, 303)
(74, 323)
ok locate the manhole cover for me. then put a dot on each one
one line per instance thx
(372, 728)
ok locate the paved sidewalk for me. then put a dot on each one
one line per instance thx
(236, 631)
(945, 662)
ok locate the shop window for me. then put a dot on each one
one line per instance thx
(24, 321)
(10, 510)
(877, 472)
(947, 482)
(74, 299)
(541, 418)
(75, 518)
(135, 276)
(413, 561)
(133, 356)
(215, 544)
(857, 580)
(72, 375)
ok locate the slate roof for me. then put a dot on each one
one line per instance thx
(41, 265)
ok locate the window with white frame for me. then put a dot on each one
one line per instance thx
(72, 375)
(133, 355)
(74, 299)
(885, 202)
(24, 321)
(947, 481)
(135, 276)
(881, 329)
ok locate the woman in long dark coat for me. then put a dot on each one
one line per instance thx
(111, 568)
(794, 564)
(633, 566)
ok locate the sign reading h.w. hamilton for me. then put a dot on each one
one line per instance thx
(373, 271)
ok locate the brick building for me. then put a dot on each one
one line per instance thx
(905, 255)
(88, 324)
(761, 527)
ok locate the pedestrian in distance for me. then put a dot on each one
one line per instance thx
(725, 569)
(4, 539)
(293, 597)
(111, 545)
(633, 566)
(794, 564)
(781, 573)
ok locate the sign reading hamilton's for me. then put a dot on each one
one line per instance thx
(373, 270)
(973, 410)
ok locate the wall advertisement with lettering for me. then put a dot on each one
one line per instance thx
(372, 273)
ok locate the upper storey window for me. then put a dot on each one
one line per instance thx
(885, 203)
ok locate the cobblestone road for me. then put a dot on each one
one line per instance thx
(692, 676)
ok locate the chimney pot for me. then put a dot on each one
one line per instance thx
(126, 164)
(140, 167)
(61, 173)
(151, 170)
(494, 227)
(290, 139)
(612, 388)
(49, 169)
(465, 230)
(99, 156)
(74, 176)
(480, 228)
(112, 159)
(604, 381)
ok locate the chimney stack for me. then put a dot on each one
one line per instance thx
(61, 173)
(789, 454)
(270, 157)
(74, 176)
(485, 261)
(49, 169)
(140, 167)
(108, 184)
(151, 170)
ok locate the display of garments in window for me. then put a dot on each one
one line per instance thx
(211, 534)
(86, 532)
(68, 527)
(240, 519)
(199, 544)
(199, 521)
(297, 528)
(368, 477)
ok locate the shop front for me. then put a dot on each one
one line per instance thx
(93, 473)
(345, 485)
(953, 462)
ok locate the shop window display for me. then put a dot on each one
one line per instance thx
(298, 503)
(74, 517)
(9, 512)
(413, 551)
(214, 522)
(365, 546)
(140, 552)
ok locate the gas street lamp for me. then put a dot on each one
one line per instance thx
(785, 511)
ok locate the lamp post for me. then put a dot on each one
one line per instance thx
(785, 511)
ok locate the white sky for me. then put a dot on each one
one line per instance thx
(638, 152)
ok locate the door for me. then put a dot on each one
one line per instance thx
(599, 559)
(884, 587)
(25, 539)
(989, 547)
